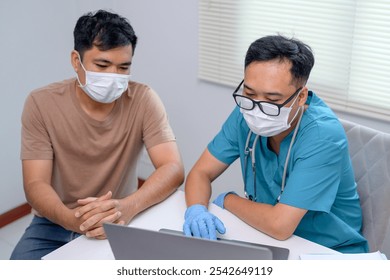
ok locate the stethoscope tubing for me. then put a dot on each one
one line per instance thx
(250, 151)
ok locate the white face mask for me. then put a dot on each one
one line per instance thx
(104, 87)
(267, 126)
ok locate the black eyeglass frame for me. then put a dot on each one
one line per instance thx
(262, 102)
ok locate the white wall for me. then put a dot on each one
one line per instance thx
(36, 41)
(35, 50)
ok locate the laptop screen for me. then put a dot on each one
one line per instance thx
(129, 243)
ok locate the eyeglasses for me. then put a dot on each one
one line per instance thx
(268, 108)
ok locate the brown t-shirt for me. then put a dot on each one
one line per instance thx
(91, 157)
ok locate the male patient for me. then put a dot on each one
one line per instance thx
(293, 152)
(82, 137)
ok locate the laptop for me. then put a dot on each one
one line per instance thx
(129, 243)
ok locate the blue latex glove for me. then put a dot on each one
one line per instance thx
(221, 199)
(199, 222)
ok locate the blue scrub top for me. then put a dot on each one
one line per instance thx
(319, 178)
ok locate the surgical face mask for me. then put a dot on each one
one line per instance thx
(267, 126)
(104, 87)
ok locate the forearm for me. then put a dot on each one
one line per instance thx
(264, 217)
(198, 182)
(42, 197)
(158, 186)
(197, 189)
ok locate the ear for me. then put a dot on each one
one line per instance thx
(75, 60)
(302, 97)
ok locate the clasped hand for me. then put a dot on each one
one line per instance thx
(94, 211)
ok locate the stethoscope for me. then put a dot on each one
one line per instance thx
(250, 152)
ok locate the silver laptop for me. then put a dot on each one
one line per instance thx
(128, 243)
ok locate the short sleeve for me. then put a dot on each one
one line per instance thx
(315, 176)
(35, 142)
(225, 145)
(156, 127)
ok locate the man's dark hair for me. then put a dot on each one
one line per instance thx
(104, 30)
(278, 47)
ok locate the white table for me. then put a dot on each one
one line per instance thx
(170, 214)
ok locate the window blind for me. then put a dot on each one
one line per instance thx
(350, 41)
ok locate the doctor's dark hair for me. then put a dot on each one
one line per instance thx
(282, 48)
(104, 30)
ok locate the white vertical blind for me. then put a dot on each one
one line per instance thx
(220, 60)
(350, 40)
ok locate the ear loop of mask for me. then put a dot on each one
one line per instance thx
(296, 113)
(85, 71)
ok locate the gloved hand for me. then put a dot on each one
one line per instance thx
(221, 199)
(199, 222)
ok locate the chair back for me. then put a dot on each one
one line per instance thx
(370, 154)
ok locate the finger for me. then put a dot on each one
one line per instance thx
(104, 236)
(220, 227)
(187, 230)
(195, 229)
(96, 207)
(100, 207)
(204, 231)
(96, 219)
(97, 233)
(111, 218)
(101, 237)
(84, 201)
(210, 228)
(106, 196)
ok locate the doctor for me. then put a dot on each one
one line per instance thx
(294, 157)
